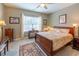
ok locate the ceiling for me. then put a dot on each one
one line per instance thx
(52, 7)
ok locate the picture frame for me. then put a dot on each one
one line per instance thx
(14, 20)
(63, 19)
(45, 21)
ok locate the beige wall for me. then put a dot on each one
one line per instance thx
(1, 11)
(18, 13)
(1, 18)
(72, 16)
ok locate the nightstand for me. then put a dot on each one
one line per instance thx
(31, 34)
(76, 43)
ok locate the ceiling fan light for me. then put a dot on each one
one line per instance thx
(42, 5)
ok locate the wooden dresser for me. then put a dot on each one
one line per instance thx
(9, 34)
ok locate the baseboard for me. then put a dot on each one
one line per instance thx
(21, 38)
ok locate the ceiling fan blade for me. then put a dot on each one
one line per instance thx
(38, 6)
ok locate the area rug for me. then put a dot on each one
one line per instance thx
(30, 50)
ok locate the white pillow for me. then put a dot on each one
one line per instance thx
(61, 30)
(64, 31)
(56, 30)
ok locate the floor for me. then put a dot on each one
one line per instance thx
(14, 49)
(14, 46)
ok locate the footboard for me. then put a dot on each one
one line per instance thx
(44, 43)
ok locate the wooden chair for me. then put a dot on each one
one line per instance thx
(3, 47)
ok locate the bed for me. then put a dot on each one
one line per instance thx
(51, 42)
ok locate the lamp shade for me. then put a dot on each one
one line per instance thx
(2, 23)
(74, 25)
(48, 28)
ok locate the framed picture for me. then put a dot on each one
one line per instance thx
(14, 20)
(63, 19)
(45, 21)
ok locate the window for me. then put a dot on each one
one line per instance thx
(32, 22)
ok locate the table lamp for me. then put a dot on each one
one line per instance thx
(74, 25)
(48, 28)
(2, 23)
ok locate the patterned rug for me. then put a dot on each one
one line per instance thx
(30, 50)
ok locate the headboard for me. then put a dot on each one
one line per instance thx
(71, 29)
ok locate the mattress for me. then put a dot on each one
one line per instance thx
(58, 39)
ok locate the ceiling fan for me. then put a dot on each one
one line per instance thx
(42, 5)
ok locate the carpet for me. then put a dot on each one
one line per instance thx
(30, 49)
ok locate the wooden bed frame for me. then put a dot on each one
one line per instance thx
(46, 44)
